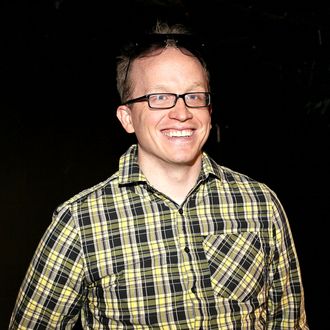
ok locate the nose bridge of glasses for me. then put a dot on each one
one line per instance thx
(181, 96)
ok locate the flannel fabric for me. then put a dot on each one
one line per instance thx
(125, 256)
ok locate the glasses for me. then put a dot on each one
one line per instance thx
(168, 100)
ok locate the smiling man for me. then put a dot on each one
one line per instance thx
(171, 128)
(172, 240)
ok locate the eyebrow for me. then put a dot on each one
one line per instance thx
(163, 87)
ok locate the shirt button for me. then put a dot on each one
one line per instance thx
(193, 289)
(187, 249)
(180, 211)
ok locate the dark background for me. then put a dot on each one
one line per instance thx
(270, 64)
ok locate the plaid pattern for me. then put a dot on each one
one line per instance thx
(127, 257)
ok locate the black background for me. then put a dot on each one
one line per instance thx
(270, 73)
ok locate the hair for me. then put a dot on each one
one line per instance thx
(133, 52)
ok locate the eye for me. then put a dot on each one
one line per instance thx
(160, 98)
(195, 96)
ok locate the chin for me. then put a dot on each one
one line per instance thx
(188, 161)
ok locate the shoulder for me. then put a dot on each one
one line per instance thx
(232, 180)
(90, 195)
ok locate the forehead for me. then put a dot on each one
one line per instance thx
(167, 71)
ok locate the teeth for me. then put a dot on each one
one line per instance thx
(182, 133)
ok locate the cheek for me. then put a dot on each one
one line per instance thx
(144, 121)
(205, 120)
(151, 119)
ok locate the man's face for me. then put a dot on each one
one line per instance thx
(170, 136)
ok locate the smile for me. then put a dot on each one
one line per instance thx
(182, 133)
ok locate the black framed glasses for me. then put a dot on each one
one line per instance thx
(160, 101)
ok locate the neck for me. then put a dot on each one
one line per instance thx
(173, 180)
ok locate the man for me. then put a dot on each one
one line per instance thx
(172, 240)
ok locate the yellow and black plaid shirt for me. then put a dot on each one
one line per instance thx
(127, 257)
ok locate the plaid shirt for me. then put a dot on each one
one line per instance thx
(126, 256)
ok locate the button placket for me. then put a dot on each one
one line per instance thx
(187, 276)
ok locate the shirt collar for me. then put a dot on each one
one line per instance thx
(209, 168)
(129, 170)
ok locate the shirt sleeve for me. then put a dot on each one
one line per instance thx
(52, 291)
(286, 296)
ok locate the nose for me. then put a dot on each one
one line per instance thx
(180, 111)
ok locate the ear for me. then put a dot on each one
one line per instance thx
(125, 117)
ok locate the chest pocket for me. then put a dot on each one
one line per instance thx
(137, 291)
(236, 263)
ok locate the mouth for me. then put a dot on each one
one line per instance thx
(178, 133)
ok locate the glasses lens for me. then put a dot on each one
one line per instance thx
(161, 101)
(196, 100)
(168, 100)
